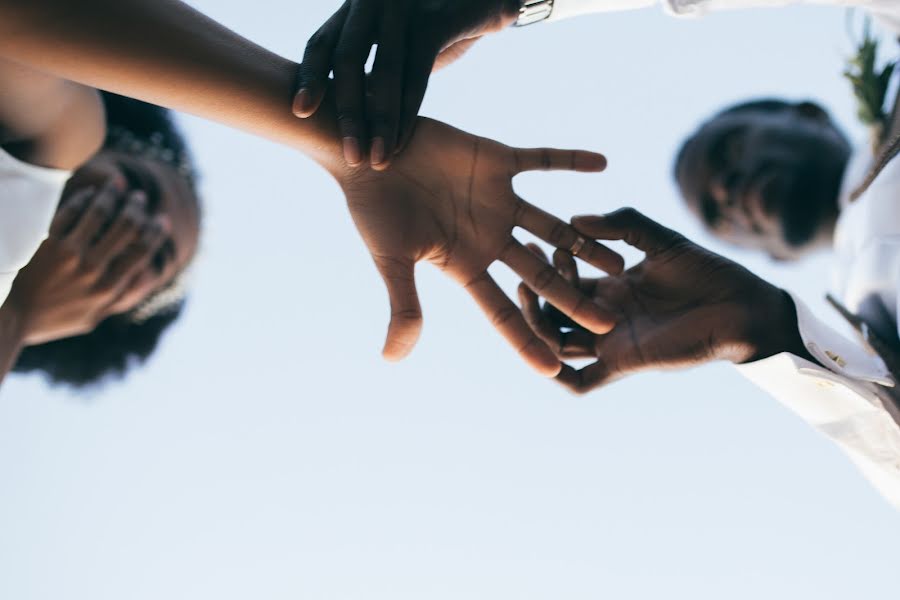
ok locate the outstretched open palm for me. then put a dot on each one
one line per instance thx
(449, 200)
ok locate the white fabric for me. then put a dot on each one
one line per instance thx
(29, 196)
(835, 398)
(887, 10)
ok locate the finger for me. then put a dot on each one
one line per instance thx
(632, 227)
(566, 266)
(70, 211)
(577, 343)
(387, 87)
(590, 378)
(453, 53)
(419, 64)
(95, 217)
(531, 310)
(350, 57)
(537, 251)
(508, 320)
(123, 271)
(551, 159)
(545, 281)
(312, 75)
(123, 231)
(565, 237)
(406, 311)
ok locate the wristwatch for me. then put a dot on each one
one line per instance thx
(534, 11)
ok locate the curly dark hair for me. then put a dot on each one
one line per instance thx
(118, 344)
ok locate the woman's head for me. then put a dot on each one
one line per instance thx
(766, 174)
(144, 152)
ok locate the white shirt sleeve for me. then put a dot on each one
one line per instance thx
(29, 196)
(837, 399)
(888, 10)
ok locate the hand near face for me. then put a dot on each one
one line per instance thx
(680, 307)
(87, 269)
(414, 37)
(449, 200)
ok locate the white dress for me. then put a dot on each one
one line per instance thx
(29, 196)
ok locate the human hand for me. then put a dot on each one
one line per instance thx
(414, 37)
(680, 307)
(449, 200)
(99, 242)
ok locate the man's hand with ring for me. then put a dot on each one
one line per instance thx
(680, 307)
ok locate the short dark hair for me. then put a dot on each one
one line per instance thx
(119, 343)
(765, 105)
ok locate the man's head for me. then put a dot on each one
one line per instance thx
(766, 174)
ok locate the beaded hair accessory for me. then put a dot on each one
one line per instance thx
(153, 147)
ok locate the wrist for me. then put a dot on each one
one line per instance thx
(770, 326)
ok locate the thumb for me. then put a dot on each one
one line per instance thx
(630, 226)
(406, 312)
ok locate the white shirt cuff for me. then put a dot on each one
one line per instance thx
(827, 392)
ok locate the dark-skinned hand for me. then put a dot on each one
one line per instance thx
(449, 200)
(85, 271)
(680, 307)
(414, 37)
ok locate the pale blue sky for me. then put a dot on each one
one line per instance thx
(267, 452)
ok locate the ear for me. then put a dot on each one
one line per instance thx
(811, 110)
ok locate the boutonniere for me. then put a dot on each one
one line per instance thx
(870, 84)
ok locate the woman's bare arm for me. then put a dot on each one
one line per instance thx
(448, 200)
(165, 52)
(46, 120)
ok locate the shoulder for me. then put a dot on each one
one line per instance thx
(47, 121)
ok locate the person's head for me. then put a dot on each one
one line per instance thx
(766, 174)
(144, 151)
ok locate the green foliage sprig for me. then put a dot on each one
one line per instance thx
(870, 84)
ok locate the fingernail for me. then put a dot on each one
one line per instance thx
(352, 152)
(302, 103)
(377, 151)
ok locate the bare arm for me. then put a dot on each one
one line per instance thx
(165, 52)
(12, 338)
(46, 120)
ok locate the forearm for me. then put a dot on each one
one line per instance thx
(165, 52)
(12, 339)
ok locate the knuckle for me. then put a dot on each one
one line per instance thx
(558, 233)
(348, 57)
(545, 158)
(508, 247)
(544, 278)
(629, 213)
(410, 315)
(317, 42)
(503, 315)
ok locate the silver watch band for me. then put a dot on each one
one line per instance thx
(534, 11)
